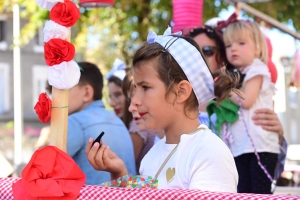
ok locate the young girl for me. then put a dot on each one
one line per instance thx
(142, 140)
(171, 80)
(137, 122)
(246, 50)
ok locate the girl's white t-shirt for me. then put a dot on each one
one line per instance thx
(264, 141)
(202, 161)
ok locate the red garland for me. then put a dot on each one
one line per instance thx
(57, 51)
(43, 108)
(65, 14)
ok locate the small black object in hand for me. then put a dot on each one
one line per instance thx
(98, 139)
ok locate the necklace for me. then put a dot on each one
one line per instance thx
(171, 172)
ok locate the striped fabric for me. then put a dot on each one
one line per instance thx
(187, 14)
(191, 62)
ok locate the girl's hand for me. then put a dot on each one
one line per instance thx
(104, 159)
(268, 120)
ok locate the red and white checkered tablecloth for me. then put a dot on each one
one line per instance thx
(91, 192)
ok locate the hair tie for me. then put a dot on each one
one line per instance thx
(59, 107)
(225, 23)
(117, 70)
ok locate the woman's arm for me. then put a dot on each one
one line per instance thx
(249, 93)
(269, 121)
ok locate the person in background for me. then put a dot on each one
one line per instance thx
(88, 118)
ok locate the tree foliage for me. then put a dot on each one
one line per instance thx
(102, 34)
(281, 10)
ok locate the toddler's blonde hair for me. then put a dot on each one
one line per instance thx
(240, 29)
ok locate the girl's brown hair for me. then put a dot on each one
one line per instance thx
(171, 73)
(225, 82)
(127, 116)
(127, 85)
(127, 89)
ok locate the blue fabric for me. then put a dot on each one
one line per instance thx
(89, 123)
(204, 119)
(281, 159)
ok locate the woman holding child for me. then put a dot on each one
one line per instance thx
(263, 119)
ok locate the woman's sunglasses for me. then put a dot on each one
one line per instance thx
(209, 51)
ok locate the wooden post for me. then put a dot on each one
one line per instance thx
(237, 8)
(264, 17)
(59, 118)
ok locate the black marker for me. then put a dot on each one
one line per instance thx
(98, 139)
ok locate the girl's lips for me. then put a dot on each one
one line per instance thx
(117, 111)
(142, 114)
(136, 119)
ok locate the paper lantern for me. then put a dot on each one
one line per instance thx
(187, 14)
(96, 3)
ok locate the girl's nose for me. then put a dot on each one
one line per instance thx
(233, 47)
(135, 100)
(111, 102)
(132, 108)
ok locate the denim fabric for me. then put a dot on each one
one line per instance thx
(281, 159)
(89, 123)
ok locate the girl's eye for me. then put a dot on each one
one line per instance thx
(228, 46)
(145, 87)
(117, 95)
(242, 43)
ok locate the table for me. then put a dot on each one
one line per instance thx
(107, 193)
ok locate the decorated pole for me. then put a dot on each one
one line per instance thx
(63, 72)
(59, 118)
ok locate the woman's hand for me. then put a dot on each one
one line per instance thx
(268, 120)
(104, 159)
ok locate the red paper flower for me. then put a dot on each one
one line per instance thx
(50, 174)
(57, 51)
(65, 14)
(43, 108)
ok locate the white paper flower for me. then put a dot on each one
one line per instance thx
(48, 4)
(64, 76)
(55, 30)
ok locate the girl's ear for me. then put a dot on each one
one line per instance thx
(183, 90)
(88, 93)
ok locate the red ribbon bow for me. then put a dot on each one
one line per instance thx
(50, 174)
(225, 23)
